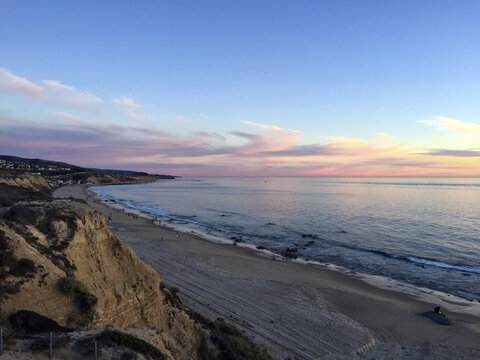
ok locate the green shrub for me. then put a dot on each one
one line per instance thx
(73, 286)
(21, 214)
(133, 343)
(236, 345)
(83, 298)
(86, 301)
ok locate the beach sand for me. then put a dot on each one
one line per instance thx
(298, 311)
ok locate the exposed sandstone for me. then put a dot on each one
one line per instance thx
(66, 238)
(33, 182)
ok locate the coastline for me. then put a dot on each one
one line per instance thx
(443, 299)
(301, 310)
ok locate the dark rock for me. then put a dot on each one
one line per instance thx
(32, 323)
(23, 267)
(436, 317)
(290, 253)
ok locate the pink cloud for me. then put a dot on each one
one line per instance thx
(17, 85)
(53, 92)
(272, 152)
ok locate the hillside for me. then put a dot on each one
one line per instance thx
(62, 270)
(59, 173)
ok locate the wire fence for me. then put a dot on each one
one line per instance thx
(94, 353)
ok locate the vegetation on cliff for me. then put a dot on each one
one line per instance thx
(61, 268)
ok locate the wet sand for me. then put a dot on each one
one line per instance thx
(299, 311)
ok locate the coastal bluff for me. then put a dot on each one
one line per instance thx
(60, 262)
(68, 239)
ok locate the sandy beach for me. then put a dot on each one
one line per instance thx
(298, 311)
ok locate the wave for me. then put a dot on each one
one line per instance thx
(156, 212)
(473, 270)
(223, 211)
(399, 183)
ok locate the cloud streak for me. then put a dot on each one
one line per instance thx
(453, 125)
(16, 85)
(71, 97)
(130, 108)
(255, 150)
(270, 151)
(454, 153)
(52, 92)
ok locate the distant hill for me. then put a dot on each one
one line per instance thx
(39, 162)
(124, 172)
(49, 165)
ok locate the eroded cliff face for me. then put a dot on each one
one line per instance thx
(43, 242)
(33, 182)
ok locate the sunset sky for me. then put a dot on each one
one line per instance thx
(244, 88)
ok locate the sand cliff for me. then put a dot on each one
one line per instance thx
(64, 238)
(59, 260)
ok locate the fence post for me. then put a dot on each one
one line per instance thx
(50, 347)
(94, 350)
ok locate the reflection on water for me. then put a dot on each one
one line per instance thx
(424, 231)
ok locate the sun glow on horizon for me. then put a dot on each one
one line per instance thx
(310, 89)
(265, 150)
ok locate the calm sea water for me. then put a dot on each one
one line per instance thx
(422, 231)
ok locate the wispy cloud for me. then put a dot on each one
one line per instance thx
(449, 124)
(69, 116)
(454, 153)
(130, 108)
(69, 96)
(17, 85)
(254, 149)
(52, 91)
(273, 138)
(55, 84)
(210, 154)
(127, 101)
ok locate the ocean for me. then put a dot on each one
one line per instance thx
(424, 232)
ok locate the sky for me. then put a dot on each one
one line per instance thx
(367, 88)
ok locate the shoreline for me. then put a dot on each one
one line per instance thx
(454, 302)
(300, 302)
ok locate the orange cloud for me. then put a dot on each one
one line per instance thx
(270, 152)
(262, 150)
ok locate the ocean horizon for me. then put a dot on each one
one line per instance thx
(422, 231)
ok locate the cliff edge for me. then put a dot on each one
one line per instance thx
(60, 262)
